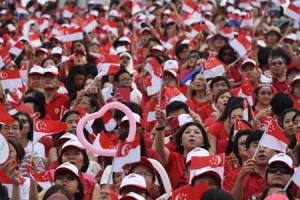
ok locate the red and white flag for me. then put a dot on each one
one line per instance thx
(274, 138)
(153, 85)
(44, 127)
(43, 24)
(68, 11)
(34, 40)
(5, 180)
(228, 32)
(239, 125)
(189, 6)
(43, 178)
(102, 140)
(296, 177)
(246, 91)
(89, 24)
(127, 152)
(170, 44)
(244, 3)
(109, 122)
(298, 34)
(72, 34)
(197, 28)
(217, 162)
(191, 192)
(22, 108)
(136, 7)
(151, 111)
(241, 45)
(10, 79)
(293, 10)
(4, 58)
(5, 117)
(21, 9)
(57, 30)
(17, 48)
(248, 19)
(112, 27)
(108, 69)
(213, 67)
(173, 94)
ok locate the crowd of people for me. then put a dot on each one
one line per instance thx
(158, 58)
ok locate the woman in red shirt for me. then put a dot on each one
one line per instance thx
(190, 136)
(218, 133)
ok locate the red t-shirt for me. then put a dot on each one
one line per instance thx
(253, 184)
(176, 170)
(279, 86)
(218, 130)
(198, 105)
(230, 179)
(184, 73)
(53, 108)
(206, 111)
(234, 74)
(296, 104)
(48, 144)
(88, 185)
(171, 145)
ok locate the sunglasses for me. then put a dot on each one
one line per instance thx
(282, 170)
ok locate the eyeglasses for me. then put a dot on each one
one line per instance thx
(277, 63)
(144, 174)
(125, 57)
(8, 128)
(282, 170)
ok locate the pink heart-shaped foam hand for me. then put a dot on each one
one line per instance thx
(99, 114)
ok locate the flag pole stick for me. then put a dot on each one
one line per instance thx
(113, 163)
(159, 94)
(287, 185)
(256, 151)
(90, 84)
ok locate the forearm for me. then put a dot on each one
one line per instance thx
(238, 188)
(16, 192)
(159, 145)
(33, 195)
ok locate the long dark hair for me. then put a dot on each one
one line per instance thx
(30, 122)
(180, 148)
(232, 104)
(57, 188)
(70, 80)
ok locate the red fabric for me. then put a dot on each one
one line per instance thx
(218, 130)
(253, 184)
(198, 105)
(279, 86)
(152, 154)
(205, 111)
(171, 145)
(234, 74)
(53, 165)
(53, 108)
(265, 120)
(296, 104)
(48, 144)
(176, 170)
(184, 73)
(230, 179)
(88, 186)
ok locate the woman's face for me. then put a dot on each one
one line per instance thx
(199, 82)
(79, 81)
(277, 176)
(125, 79)
(26, 127)
(297, 124)
(86, 105)
(193, 57)
(73, 156)
(13, 152)
(79, 46)
(124, 60)
(69, 181)
(265, 95)
(219, 42)
(222, 101)
(227, 56)
(242, 147)
(72, 121)
(80, 59)
(192, 137)
(236, 113)
(48, 63)
(288, 125)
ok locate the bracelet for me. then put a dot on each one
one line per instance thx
(160, 128)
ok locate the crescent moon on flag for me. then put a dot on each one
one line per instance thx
(218, 160)
(124, 149)
(2, 75)
(37, 126)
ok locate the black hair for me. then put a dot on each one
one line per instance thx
(57, 189)
(233, 146)
(154, 39)
(90, 69)
(134, 107)
(224, 48)
(217, 79)
(70, 80)
(19, 150)
(30, 122)
(37, 106)
(48, 58)
(276, 185)
(232, 104)
(86, 161)
(3, 192)
(254, 137)
(180, 148)
(215, 98)
(280, 102)
(175, 106)
(216, 194)
(179, 48)
(120, 72)
(280, 53)
(38, 95)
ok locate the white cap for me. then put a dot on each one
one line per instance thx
(52, 70)
(145, 29)
(180, 120)
(134, 180)
(171, 65)
(67, 167)
(105, 176)
(136, 117)
(1, 41)
(248, 61)
(42, 50)
(56, 50)
(72, 143)
(132, 196)
(282, 158)
(124, 39)
(291, 36)
(113, 13)
(36, 69)
(11, 27)
(207, 170)
(167, 12)
(157, 48)
(94, 12)
(65, 137)
(196, 152)
(121, 49)
(296, 79)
